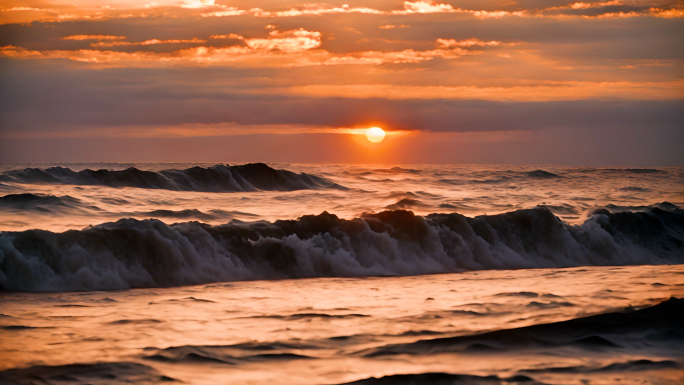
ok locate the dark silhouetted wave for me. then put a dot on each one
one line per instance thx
(442, 379)
(219, 178)
(149, 253)
(657, 326)
(640, 170)
(231, 355)
(41, 203)
(101, 373)
(542, 174)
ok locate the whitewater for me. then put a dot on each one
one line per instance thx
(328, 274)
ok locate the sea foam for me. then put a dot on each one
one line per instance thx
(131, 253)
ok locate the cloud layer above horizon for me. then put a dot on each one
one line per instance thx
(502, 81)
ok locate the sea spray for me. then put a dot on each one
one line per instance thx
(132, 253)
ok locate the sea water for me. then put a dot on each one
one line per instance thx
(328, 274)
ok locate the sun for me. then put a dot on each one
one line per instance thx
(375, 134)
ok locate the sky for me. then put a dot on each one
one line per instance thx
(471, 81)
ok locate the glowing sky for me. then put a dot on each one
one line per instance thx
(494, 81)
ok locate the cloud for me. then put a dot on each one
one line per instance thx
(208, 8)
(226, 12)
(667, 13)
(293, 41)
(451, 43)
(422, 7)
(318, 9)
(427, 7)
(93, 37)
(146, 42)
(291, 48)
(544, 91)
(187, 69)
(28, 9)
(392, 26)
(197, 3)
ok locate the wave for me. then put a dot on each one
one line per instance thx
(219, 178)
(231, 355)
(41, 203)
(109, 373)
(134, 253)
(658, 327)
(393, 170)
(639, 170)
(622, 170)
(442, 379)
(180, 214)
(623, 368)
(542, 174)
(66, 204)
(406, 203)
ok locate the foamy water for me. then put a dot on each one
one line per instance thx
(329, 274)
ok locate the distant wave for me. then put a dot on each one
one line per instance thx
(131, 253)
(219, 178)
(393, 170)
(44, 203)
(623, 170)
(41, 203)
(639, 170)
(542, 174)
(441, 379)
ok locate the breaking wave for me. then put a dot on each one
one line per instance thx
(130, 253)
(219, 178)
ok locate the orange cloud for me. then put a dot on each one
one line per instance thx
(293, 48)
(28, 9)
(146, 42)
(427, 7)
(229, 36)
(208, 8)
(293, 41)
(197, 3)
(434, 7)
(396, 57)
(228, 11)
(544, 91)
(196, 130)
(392, 26)
(451, 43)
(93, 37)
(580, 5)
(667, 13)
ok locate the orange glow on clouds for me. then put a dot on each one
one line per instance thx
(178, 69)
(100, 10)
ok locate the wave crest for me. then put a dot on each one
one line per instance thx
(131, 253)
(219, 178)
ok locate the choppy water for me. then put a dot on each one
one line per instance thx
(570, 193)
(338, 330)
(519, 257)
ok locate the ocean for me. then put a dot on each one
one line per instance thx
(117, 273)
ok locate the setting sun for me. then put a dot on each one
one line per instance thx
(275, 192)
(375, 134)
